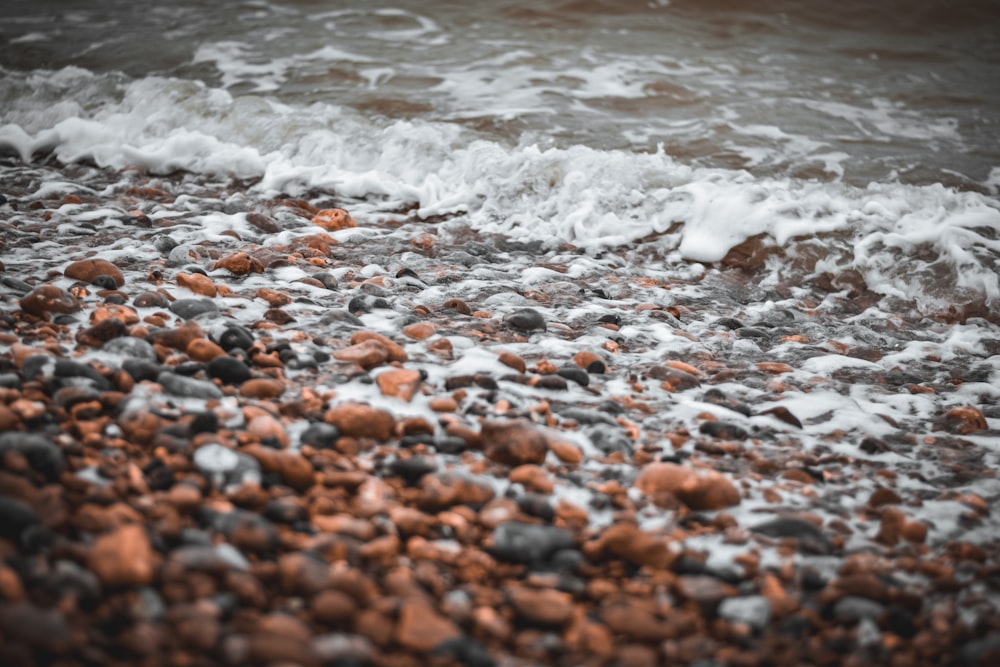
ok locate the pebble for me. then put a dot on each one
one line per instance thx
(699, 490)
(187, 387)
(811, 539)
(188, 309)
(123, 557)
(526, 319)
(518, 542)
(129, 346)
(229, 370)
(49, 299)
(513, 443)
(43, 455)
(88, 270)
(751, 610)
(422, 629)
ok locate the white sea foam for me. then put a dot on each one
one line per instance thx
(927, 244)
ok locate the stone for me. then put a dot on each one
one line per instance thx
(514, 361)
(401, 383)
(262, 388)
(203, 350)
(49, 299)
(188, 309)
(87, 270)
(441, 490)
(850, 609)
(333, 219)
(723, 430)
(229, 370)
(357, 420)
(44, 629)
(367, 354)
(395, 350)
(239, 264)
(513, 443)
(235, 337)
(187, 387)
(526, 320)
(420, 330)
(333, 607)
(518, 542)
(15, 517)
(198, 283)
(628, 542)
(420, 628)
(43, 455)
(698, 489)
(123, 557)
(964, 420)
(129, 346)
(810, 538)
(543, 607)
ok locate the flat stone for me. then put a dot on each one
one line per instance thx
(525, 319)
(189, 309)
(180, 385)
(518, 542)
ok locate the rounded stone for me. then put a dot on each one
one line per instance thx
(87, 270)
(525, 319)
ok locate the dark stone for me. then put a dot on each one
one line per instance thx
(204, 422)
(716, 397)
(752, 332)
(609, 439)
(340, 317)
(263, 223)
(66, 368)
(464, 651)
(15, 518)
(230, 370)
(104, 281)
(900, 621)
(129, 346)
(320, 435)
(811, 539)
(179, 385)
(189, 309)
(43, 629)
(851, 609)
(15, 285)
(526, 319)
(576, 374)
(413, 468)
(328, 279)
(529, 543)
(610, 318)
(188, 368)
(164, 244)
(10, 381)
(43, 455)
(150, 300)
(235, 336)
(102, 332)
(553, 382)
(982, 652)
(535, 504)
(723, 430)
(730, 323)
(141, 369)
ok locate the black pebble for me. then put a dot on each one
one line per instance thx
(190, 308)
(320, 435)
(15, 518)
(723, 430)
(576, 374)
(228, 369)
(104, 281)
(526, 319)
(43, 455)
(235, 336)
(141, 369)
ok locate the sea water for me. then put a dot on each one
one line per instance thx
(850, 136)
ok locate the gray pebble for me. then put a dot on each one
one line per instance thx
(179, 385)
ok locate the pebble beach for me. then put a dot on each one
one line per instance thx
(245, 431)
(555, 333)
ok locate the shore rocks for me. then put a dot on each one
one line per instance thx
(699, 490)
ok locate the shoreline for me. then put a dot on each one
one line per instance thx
(398, 443)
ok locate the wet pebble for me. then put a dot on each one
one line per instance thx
(43, 455)
(229, 370)
(525, 319)
(187, 387)
(189, 309)
(518, 542)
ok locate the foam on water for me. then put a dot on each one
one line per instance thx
(928, 245)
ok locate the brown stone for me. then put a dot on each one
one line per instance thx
(400, 383)
(965, 420)
(274, 298)
(445, 489)
(635, 622)
(395, 350)
(123, 557)
(357, 420)
(443, 404)
(240, 264)
(883, 496)
(87, 270)
(48, 299)
(627, 541)
(707, 592)
(265, 427)
(296, 470)
(420, 330)
(566, 452)
(24, 623)
(421, 628)
(198, 283)
(269, 648)
(699, 490)
(367, 354)
(334, 219)
(262, 388)
(333, 607)
(514, 361)
(513, 443)
(299, 574)
(544, 607)
(891, 526)
(203, 350)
